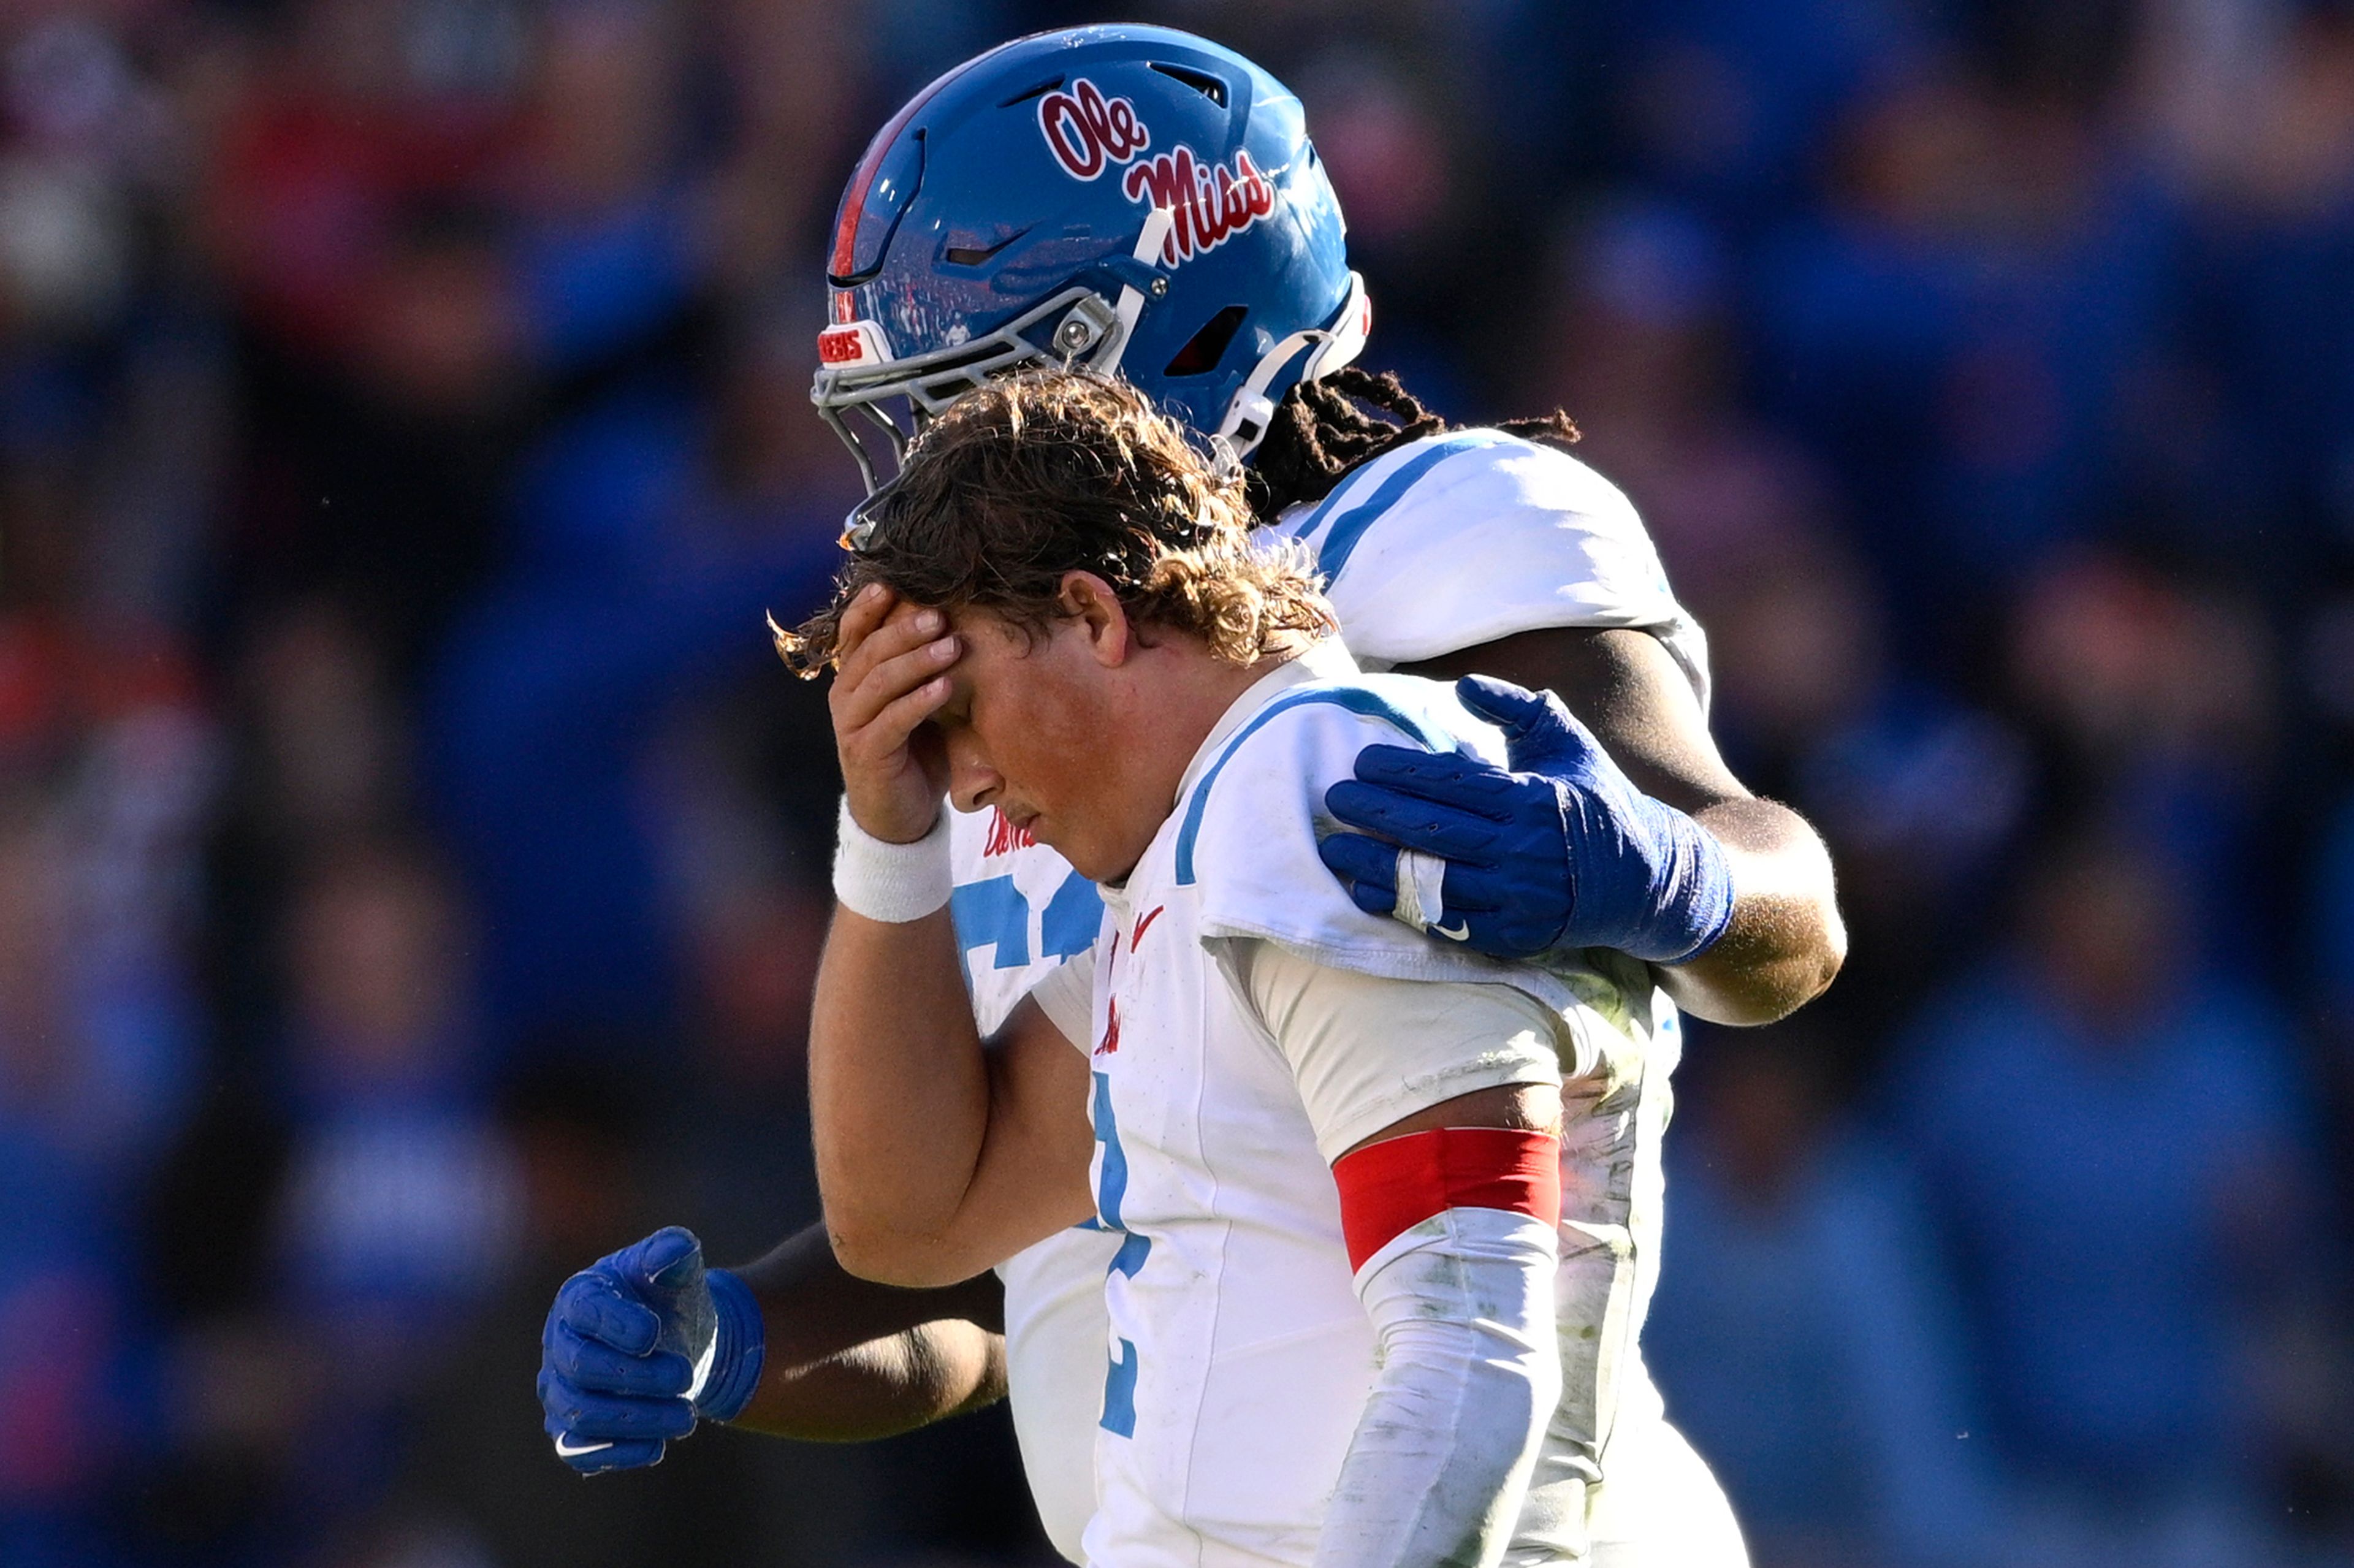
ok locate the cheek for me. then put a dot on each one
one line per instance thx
(1045, 740)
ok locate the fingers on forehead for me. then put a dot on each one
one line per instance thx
(866, 610)
(899, 631)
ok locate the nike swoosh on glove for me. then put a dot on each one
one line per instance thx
(1557, 852)
(638, 1346)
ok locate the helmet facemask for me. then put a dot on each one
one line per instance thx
(1084, 333)
(1087, 334)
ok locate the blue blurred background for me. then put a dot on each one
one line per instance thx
(412, 859)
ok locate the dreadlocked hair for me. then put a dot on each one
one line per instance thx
(1325, 430)
(1033, 476)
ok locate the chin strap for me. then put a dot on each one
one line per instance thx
(1131, 304)
(1328, 349)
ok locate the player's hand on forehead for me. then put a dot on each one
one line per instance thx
(892, 678)
(877, 628)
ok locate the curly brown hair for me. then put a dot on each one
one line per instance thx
(1051, 472)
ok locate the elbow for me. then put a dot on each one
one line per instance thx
(1832, 957)
(1813, 949)
(1817, 964)
(881, 1233)
(1808, 972)
(1791, 986)
(883, 1257)
(1763, 989)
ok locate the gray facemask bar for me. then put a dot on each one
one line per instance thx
(1089, 327)
(1093, 327)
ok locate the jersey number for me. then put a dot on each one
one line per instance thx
(1111, 1188)
(995, 914)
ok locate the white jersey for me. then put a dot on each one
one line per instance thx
(1446, 543)
(1457, 540)
(1239, 1355)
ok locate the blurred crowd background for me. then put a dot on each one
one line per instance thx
(412, 858)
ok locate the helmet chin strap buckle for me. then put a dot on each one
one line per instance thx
(1090, 323)
(1247, 418)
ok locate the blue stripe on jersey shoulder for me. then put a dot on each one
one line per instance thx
(1350, 482)
(1334, 550)
(1356, 699)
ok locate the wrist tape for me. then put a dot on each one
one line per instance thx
(889, 881)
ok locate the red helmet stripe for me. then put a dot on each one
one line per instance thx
(853, 197)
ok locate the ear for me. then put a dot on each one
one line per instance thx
(1102, 619)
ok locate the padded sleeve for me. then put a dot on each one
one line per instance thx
(1470, 1375)
(1369, 1052)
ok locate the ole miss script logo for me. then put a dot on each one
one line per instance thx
(1089, 132)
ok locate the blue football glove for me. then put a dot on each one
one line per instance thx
(1562, 854)
(640, 1344)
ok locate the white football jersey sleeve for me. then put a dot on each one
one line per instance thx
(1463, 538)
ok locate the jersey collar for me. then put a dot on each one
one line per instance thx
(1325, 660)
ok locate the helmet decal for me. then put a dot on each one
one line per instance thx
(1085, 131)
(858, 343)
(1089, 132)
(1211, 205)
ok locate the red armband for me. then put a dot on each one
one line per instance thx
(1388, 1188)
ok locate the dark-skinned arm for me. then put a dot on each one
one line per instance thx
(1786, 942)
(849, 1359)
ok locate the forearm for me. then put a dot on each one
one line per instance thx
(1451, 1219)
(1470, 1373)
(887, 1386)
(898, 1082)
(849, 1359)
(937, 1157)
(1786, 941)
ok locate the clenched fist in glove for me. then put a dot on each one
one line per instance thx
(639, 1346)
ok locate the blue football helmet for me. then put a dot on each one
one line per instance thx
(1129, 199)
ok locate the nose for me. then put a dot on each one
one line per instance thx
(972, 782)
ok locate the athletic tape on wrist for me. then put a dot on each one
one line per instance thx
(889, 881)
(1697, 905)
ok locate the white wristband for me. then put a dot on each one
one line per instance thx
(889, 881)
